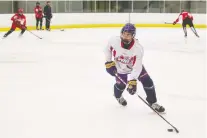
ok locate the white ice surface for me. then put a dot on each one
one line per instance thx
(57, 87)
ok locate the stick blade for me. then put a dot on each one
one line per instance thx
(176, 130)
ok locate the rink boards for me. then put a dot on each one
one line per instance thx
(106, 20)
(107, 26)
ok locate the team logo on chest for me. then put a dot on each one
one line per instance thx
(125, 59)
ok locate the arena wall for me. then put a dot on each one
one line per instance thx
(98, 20)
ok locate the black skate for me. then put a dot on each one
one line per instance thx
(122, 101)
(158, 107)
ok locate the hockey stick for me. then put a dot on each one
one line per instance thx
(170, 23)
(34, 34)
(149, 105)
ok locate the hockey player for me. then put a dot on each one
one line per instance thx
(39, 15)
(19, 21)
(127, 63)
(187, 20)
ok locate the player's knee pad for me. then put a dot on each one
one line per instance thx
(147, 82)
(118, 90)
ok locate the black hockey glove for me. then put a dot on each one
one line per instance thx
(132, 87)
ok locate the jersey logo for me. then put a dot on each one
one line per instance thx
(125, 59)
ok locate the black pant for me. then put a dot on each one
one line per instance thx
(47, 23)
(147, 83)
(12, 30)
(187, 21)
(39, 20)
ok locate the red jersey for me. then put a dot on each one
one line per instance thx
(184, 15)
(38, 12)
(21, 19)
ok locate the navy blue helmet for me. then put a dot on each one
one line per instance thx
(130, 28)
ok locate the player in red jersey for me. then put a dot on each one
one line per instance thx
(19, 21)
(187, 20)
(39, 15)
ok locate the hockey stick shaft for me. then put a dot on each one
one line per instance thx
(168, 23)
(148, 104)
(158, 114)
(34, 34)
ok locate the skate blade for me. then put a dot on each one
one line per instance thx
(161, 113)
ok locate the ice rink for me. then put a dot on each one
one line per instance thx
(57, 87)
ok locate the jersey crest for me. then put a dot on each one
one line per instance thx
(125, 59)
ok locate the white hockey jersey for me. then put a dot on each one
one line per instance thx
(128, 61)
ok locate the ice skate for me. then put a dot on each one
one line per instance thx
(122, 101)
(158, 107)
